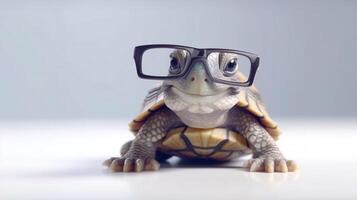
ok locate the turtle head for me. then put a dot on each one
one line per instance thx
(196, 92)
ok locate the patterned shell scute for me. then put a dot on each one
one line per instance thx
(215, 143)
(251, 100)
(153, 101)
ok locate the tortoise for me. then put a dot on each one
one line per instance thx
(205, 108)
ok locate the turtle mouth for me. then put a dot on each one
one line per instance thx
(178, 91)
(185, 94)
(173, 92)
(179, 100)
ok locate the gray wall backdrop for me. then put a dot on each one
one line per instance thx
(73, 59)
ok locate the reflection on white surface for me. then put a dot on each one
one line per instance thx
(62, 160)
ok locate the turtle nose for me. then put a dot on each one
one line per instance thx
(193, 79)
(198, 73)
(198, 81)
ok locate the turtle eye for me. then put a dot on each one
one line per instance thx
(175, 66)
(231, 67)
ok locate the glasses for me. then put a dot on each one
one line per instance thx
(226, 66)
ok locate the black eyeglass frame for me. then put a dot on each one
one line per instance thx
(196, 54)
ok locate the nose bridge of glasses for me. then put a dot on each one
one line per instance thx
(198, 53)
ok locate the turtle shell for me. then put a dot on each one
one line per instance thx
(216, 143)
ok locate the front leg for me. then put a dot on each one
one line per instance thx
(141, 153)
(266, 154)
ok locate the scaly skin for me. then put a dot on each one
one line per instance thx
(139, 155)
(266, 154)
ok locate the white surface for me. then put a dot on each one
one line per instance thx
(62, 160)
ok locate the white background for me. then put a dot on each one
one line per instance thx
(68, 88)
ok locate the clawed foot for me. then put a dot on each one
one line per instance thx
(270, 164)
(131, 165)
